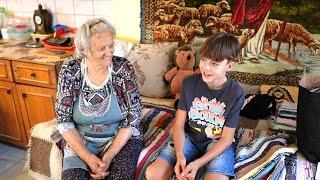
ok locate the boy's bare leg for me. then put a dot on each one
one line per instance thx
(159, 169)
(211, 176)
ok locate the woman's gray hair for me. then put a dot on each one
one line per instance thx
(85, 33)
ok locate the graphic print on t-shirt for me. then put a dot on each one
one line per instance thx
(206, 117)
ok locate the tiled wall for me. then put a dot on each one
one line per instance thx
(75, 12)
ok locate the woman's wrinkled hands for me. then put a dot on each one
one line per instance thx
(107, 161)
(103, 168)
(96, 165)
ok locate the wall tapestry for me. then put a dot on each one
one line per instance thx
(279, 38)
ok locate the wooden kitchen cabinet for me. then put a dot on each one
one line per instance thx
(27, 96)
(37, 105)
(5, 71)
(11, 128)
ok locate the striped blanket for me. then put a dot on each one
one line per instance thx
(157, 122)
(263, 154)
(257, 153)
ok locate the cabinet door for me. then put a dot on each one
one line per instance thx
(5, 70)
(37, 105)
(11, 124)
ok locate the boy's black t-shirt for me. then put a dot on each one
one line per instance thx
(208, 111)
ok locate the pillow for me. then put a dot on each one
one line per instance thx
(122, 48)
(250, 89)
(289, 93)
(151, 62)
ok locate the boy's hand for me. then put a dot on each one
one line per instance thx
(180, 166)
(191, 170)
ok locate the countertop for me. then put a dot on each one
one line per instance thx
(19, 52)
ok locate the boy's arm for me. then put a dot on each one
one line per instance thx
(178, 131)
(178, 140)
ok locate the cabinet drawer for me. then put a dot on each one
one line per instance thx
(5, 70)
(34, 74)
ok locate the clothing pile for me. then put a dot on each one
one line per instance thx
(286, 118)
(264, 155)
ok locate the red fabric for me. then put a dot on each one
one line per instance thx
(250, 13)
(163, 138)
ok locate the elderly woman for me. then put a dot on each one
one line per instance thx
(98, 108)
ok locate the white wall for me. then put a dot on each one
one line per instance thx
(75, 12)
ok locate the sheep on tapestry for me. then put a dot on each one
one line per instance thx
(176, 2)
(226, 17)
(206, 10)
(183, 34)
(168, 7)
(160, 17)
(246, 35)
(216, 24)
(293, 33)
(190, 12)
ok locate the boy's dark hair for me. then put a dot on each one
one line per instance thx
(220, 46)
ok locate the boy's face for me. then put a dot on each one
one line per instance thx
(212, 71)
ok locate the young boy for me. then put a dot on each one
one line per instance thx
(206, 118)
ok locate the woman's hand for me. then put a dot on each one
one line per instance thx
(107, 158)
(95, 164)
(191, 170)
(101, 175)
(180, 166)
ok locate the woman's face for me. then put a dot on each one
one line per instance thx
(102, 47)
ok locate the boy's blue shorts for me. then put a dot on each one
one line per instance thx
(223, 164)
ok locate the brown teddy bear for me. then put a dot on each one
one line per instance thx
(184, 66)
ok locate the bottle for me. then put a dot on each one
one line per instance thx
(1, 19)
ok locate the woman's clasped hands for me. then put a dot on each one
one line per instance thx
(99, 168)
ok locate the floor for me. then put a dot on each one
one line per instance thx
(12, 162)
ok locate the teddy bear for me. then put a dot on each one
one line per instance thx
(184, 66)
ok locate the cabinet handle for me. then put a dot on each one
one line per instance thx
(8, 91)
(33, 75)
(24, 95)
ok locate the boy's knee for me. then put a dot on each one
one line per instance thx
(153, 172)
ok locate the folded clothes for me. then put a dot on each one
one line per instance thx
(285, 121)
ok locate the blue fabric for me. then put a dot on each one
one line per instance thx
(223, 164)
(266, 169)
(96, 132)
(98, 127)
